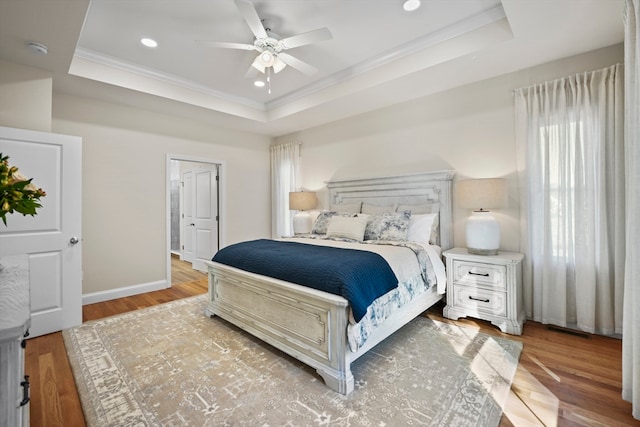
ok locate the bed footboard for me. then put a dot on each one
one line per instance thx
(307, 324)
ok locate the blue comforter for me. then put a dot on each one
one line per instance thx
(358, 276)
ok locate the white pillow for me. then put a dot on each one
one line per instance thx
(423, 228)
(347, 227)
(322, 220)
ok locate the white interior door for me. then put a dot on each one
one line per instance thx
(53, 238)
(187, 216)
(200, 213)
(205, 215)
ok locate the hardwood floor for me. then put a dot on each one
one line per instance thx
(562, 379)
(54, 397)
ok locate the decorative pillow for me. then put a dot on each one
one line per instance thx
(314, 215)
(424, 208)
(423, 228)
(373, 209)
(347, 227)
(322, 221)
(347, 207)
(388, 226)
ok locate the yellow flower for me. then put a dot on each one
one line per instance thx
(17, 177)
(17, 192)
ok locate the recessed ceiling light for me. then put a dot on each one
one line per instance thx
(149, 42)
(258, 83)
(411, 5)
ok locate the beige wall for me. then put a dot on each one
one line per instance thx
(124, 198)
(25, 97)
(469, 129)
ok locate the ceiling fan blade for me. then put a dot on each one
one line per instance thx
(251, 16)
(226, 45)
(319, 35)
(297, 64)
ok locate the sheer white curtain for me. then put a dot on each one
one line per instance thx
(571, 169)
(285, 160)
(631, 337)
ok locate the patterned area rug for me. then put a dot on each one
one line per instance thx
(170, 365)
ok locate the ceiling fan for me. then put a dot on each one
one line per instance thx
(270, 47)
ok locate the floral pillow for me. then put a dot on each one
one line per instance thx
(320, 226)
(388, 226)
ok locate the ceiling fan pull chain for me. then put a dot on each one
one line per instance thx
(269, 80)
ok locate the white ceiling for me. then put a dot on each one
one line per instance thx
(379, 54)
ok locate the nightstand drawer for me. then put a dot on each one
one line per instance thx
(488, 275)
(480, 301)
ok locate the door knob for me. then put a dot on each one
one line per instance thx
(73, 240)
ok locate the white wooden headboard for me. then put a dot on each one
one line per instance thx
(413, 189)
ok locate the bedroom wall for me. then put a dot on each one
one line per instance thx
(124, 210)
(25, 97)
(469, 129)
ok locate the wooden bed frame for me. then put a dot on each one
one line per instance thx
(311, 325)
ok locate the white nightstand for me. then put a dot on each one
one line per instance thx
(487, 287)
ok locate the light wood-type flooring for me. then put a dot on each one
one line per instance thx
(562, 379)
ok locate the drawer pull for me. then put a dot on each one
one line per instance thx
(23, 344)
(479, 299)
(479, 274)
(25, 391)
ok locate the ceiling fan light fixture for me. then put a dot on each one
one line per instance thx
(270, 46)
(258, 65)
(278, 65)
(410, 5)
(267, 58)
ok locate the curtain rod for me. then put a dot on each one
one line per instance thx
(513, 91)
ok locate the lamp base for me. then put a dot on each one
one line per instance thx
(475, 251)
(302, 223)
(483, 234)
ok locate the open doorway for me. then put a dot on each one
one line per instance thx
(194, 202)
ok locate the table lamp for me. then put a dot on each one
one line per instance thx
(482, 229)
(302, 201)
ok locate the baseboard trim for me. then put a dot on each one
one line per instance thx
(569, 331)
(126, 291)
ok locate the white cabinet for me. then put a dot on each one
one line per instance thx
(14, 324)
(487, 287)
